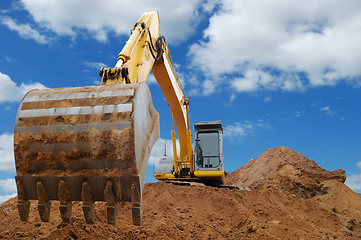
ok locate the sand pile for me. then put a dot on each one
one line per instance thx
(290, 197)
(277, 162)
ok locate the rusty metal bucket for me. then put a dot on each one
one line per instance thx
(84, 144)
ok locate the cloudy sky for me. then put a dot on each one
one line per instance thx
(278, 72)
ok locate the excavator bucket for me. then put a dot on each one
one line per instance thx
(84, 144)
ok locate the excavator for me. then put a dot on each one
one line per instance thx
(92, 143)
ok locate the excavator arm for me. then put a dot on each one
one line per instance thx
(164, 73)
(145, 51)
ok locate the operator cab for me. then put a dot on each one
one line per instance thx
(207, 157)
(208, 150)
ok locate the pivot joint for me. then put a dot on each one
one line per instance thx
(117, 74)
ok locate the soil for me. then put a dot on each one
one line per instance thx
(282, 195)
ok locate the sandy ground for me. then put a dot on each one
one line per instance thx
(288, 197)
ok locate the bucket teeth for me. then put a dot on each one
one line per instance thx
(88, 203)
(43, 202)
(64, 196)
(137, 206)
(23, 208)
(112, 206)
(137, 213)
(23, 204)
(112, 213)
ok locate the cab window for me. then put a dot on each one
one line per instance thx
(207, 149)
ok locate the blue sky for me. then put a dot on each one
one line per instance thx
(277, 72)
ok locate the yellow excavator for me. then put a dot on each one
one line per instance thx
(93, 143)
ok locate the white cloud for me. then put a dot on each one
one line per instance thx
(208, 6)
(24, 30)
(272, 45)
(354, 180)
(193, 92)
(328, 111)
(9, 59)
(96, 65)
(242, 128)
(97, 82)
(151, 79)
(358, 164)
(209, 87)
(8, 185)
(299, 113)
(232, 97)
(4, 198)
(103, 17)
(255, 79)
(245, 84)
(267, 99)
(7, 160)
(10, 92)
(234, 130)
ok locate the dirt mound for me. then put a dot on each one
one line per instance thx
(286, 168)
(290, 197)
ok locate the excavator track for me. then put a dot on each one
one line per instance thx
(84, 144)
(198, 183)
